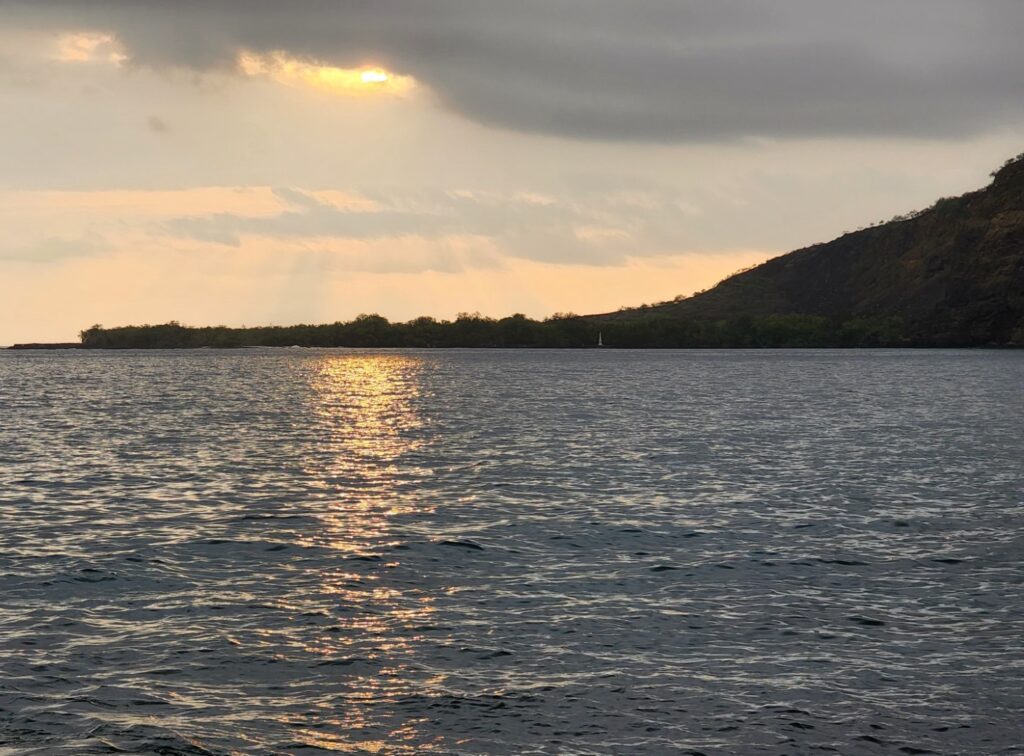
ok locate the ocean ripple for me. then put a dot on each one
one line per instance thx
(511, 552)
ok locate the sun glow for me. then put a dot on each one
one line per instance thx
(88, 47)
(374, 76)
(284, 69)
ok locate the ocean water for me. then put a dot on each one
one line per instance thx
(511, 552)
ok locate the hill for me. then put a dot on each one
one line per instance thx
(951, 275)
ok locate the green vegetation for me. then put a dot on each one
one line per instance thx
(516, 331)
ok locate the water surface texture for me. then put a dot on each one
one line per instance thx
(511, 552)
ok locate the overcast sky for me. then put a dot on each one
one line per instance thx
(248, 161)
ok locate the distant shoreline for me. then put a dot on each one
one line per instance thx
(45, 346)
(42, 347)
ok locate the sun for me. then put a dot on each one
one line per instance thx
(374, 76)
(285, 69)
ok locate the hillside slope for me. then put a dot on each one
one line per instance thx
(950, 275)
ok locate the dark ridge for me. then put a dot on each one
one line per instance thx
(951, 275)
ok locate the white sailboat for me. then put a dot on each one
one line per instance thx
(600, 341)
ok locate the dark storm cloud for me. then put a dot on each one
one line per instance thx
(658, 70)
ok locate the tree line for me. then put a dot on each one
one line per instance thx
(473, 330)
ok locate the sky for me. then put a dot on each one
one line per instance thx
(248, 162)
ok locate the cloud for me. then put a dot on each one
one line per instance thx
(603, 231)
(87, 47)
(655, 70)
(53, 249)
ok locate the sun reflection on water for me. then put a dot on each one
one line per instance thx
(368, 426)
(368, 423)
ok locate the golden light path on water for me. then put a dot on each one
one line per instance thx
(368, 421)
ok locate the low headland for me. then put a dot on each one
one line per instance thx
(948, 276)
(54, 345)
